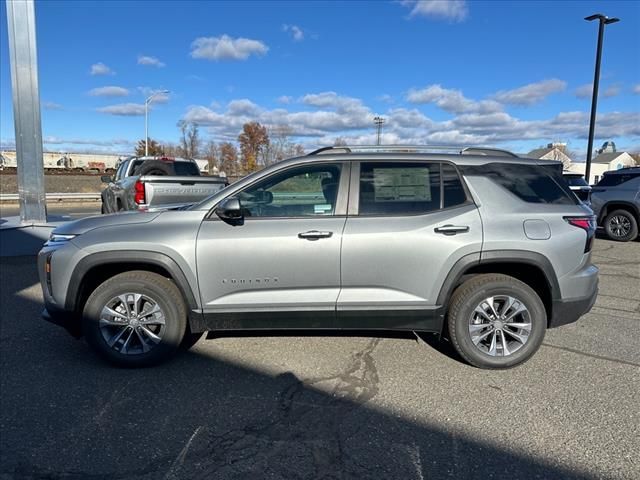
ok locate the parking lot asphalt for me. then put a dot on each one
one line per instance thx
(324, 406)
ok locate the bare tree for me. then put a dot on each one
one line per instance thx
(339, 142)
(155, 148)
(190, 139)
(171, 150)
(212, 154)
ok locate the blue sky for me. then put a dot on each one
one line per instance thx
(511, 74)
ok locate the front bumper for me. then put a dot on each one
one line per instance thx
(569, 311)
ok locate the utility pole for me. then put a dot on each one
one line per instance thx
(21, 23)
(604, 20)
(378, 122)
(146, 119)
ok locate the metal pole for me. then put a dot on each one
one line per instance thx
(594, 101)
(21, 24)
(603, 20)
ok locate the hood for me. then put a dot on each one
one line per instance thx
(78, 227)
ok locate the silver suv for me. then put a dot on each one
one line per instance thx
(480, 246)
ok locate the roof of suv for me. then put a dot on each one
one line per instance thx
(457, 155)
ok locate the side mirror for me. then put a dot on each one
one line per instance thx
(230, 211)
(106, 179)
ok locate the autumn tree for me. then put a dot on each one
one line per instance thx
(254, 140)
(228, 158)
(189, 139)
(155, 149)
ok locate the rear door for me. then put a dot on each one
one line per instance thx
(408, 223)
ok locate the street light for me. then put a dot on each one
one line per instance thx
(604, 20)
(146, 119)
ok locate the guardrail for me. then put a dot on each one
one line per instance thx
(13, 197)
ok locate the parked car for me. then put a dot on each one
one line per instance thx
(480, 245)
(146, 183)
(616, 202)
(578, 186)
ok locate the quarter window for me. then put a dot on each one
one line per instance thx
(306, 191)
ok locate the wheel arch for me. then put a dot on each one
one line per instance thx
(532, 268)
(98, 267)
(615, 205)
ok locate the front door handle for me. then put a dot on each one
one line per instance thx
(314, 235)
(451, 229)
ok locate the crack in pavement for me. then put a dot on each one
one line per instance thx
(591, 355)
(293, 428)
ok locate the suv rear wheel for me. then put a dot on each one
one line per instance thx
(621, 225)
(135, 319)
(496, 321)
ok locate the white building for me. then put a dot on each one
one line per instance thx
(553, 151)
(604, 163)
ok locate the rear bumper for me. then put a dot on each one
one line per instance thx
(569, 311)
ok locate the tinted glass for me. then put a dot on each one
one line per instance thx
(454, 193)
(186, 169)
(121, 170)
(298, 192)
(399, 188)
(612, 180)
(575, 181)
(530, 183)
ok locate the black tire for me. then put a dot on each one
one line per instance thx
(469, 295)
(155, 167)
(157, 289)
(621, 226)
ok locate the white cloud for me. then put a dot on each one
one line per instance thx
(226, 48)
(452, 10)
(452, 101)
(636, 89)
(110, 91)
(386, 98)
(584, 91)
(296, 32)
(101, 69)
(531, 93)
(611, 91)
(52, 106)
(150, 61)
(285, 99)
(124, 109)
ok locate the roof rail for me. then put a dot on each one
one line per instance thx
(413, 149)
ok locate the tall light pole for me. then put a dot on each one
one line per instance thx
(604, 20)
(378, 121)
(146, 118)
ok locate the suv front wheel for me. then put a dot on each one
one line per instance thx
(496, 321)
(135, 319)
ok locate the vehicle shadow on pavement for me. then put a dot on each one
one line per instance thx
(65, 414)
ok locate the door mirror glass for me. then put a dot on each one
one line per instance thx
(230, 211)
(106, 179)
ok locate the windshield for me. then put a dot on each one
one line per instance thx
(575, 181)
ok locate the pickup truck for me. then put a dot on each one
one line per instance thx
(149, 183)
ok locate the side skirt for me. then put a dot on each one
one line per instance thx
(422, 320)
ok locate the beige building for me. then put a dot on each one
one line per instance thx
(604, 163)
(553, 151)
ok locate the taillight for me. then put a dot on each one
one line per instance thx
(139, 197)
(586, 223)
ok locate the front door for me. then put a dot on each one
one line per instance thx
(281, 267)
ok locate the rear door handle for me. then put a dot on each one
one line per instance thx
(314, 235)
(451, 229)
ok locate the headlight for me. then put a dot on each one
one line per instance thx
(59, 238)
